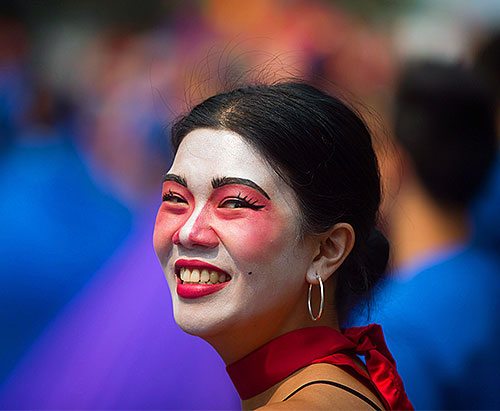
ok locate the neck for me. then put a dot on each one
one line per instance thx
(420, 226)
(241, 339)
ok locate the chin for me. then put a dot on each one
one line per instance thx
(196, 321)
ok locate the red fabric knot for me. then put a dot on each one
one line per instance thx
(380, 364)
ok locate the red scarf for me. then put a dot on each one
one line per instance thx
(281, 357)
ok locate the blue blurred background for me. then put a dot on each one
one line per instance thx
(87, 92)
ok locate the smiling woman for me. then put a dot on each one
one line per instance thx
(268, 212)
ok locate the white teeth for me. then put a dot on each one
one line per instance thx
(214, 277)
(203, 277)
(195, 276)
(183, 274)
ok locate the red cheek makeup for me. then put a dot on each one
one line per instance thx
(171, 216)
(197, 279)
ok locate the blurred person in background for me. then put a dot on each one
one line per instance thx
(441, 307)
(122, 123)
(14, 89)
(486, 210)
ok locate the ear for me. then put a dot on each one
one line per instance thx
(332, 250)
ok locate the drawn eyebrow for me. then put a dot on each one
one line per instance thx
(223, 181)
(174, 177)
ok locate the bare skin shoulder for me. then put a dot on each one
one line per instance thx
(315, 396)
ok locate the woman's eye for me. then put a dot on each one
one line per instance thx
(173, 198)
(240, 202)
(233, 204)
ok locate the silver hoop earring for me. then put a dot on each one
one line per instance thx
(322, 300)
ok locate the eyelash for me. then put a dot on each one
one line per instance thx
(242, 202)
(171, 196)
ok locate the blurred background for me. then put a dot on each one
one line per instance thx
(88, 90)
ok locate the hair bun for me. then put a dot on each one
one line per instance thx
(377, 253)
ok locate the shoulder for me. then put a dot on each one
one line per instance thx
(463, 278)
(422, 315)
(323, 387)
(320, 397)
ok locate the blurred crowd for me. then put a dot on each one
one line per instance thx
(85, 107)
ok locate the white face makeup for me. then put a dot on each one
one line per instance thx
(227, 237)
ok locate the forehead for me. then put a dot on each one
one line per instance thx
(219, 153)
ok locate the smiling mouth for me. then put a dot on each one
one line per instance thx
(199, 272)
(196, 279)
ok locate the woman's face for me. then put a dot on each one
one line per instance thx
(227, 237)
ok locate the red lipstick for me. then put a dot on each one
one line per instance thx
(196, 290)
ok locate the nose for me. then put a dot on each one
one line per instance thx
(196, 232)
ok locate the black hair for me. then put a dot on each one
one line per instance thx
(323, 151)
(445, 121)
